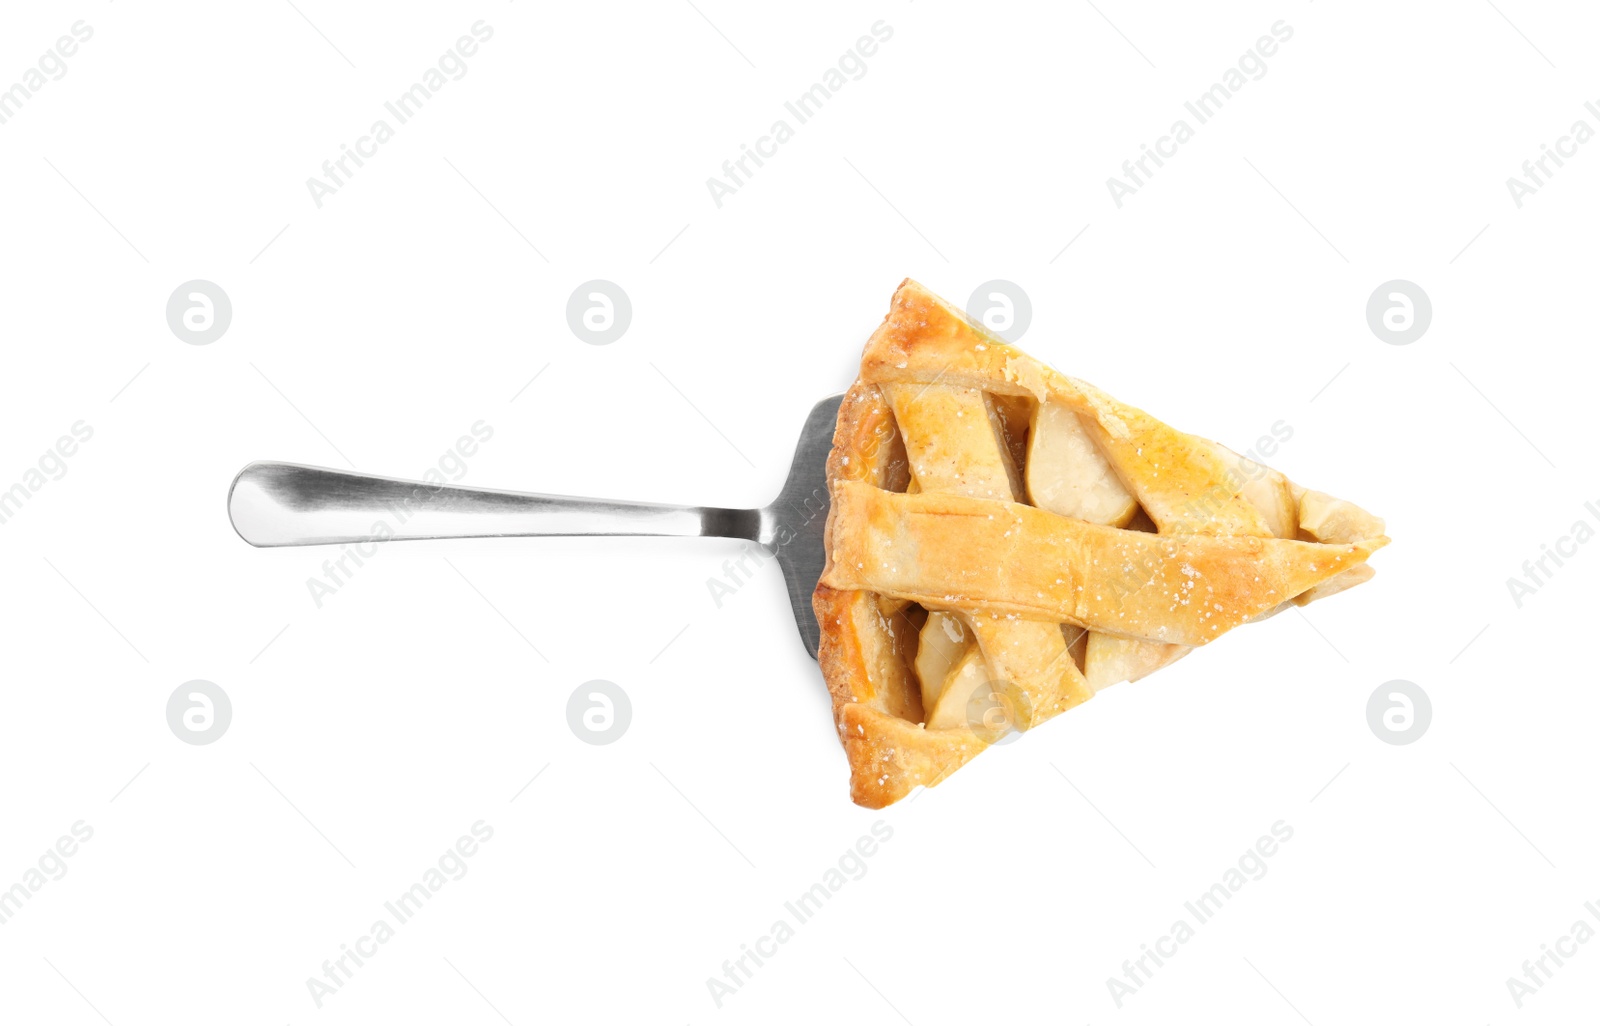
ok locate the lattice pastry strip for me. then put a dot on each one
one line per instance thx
(954, 446)
(999, 527)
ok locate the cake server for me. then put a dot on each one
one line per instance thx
(275, 504)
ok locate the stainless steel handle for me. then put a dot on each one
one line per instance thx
(274, 504)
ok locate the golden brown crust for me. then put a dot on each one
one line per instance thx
(889, 757)
(939, 517)
(857, 652)
(947, 551)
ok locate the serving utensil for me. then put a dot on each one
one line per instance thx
(276, 504)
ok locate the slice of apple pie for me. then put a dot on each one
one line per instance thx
(1004, 541)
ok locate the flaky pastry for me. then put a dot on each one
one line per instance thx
(1004, 541)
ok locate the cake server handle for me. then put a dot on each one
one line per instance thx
(274, 504)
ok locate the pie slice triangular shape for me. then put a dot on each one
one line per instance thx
(1004, 541)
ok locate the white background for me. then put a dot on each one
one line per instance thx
(370, 733)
